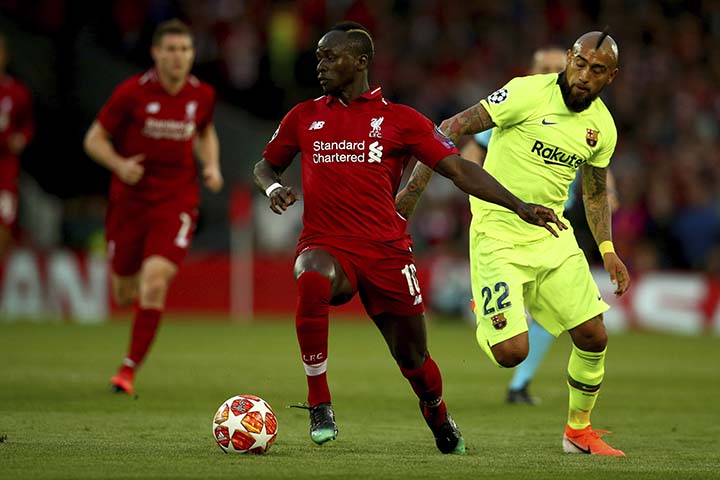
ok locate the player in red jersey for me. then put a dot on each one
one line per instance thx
(146, 135)
(16, 131)
(354, 145)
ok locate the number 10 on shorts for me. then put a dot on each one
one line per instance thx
(410, 273)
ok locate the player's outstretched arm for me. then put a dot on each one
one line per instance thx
(597, 212)
(408, 197)
(468, 122)
(472, 179)
(267, 179)
(207, 148)
(98, 145)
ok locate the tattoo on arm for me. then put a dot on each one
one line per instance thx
(468, 122)
(408, 197)
(597, 207)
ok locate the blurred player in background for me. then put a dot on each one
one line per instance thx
(548, 126)
(545, 60)
(16, 131)
(354, 145)
(146, 135)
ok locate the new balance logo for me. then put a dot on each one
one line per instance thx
(418, 300)
(317, 125)
(375, 154)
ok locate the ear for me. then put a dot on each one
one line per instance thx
(154, 52)
(612, 76)
(362, 62)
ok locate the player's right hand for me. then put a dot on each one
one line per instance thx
(130, 170)
(540, 216)
(281, 198)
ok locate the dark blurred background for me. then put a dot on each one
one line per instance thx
(437, 56)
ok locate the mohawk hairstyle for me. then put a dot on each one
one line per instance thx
(359, 37)
(603, 35)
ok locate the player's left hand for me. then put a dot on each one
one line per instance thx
(212, 178)
(16, 143)
(540, 216)
(619, 275)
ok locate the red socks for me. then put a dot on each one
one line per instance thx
(425, 381)
(311, 325)
(144, 327)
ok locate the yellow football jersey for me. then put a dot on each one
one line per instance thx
(536, 150)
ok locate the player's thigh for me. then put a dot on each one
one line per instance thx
(171, 230)
(125, 231)
(566, 296)
(334, 265)
(124, 288)
(388, 283)
(498, 283)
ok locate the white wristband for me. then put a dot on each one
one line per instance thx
(272, 188)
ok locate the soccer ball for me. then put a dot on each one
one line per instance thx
(245, 424)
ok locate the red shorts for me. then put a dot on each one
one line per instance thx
(383, 274)
(9, 173)
(136, 231)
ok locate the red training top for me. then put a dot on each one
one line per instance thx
(15, 117)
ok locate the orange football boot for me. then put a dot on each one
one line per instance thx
(122, 382)
(588, 441)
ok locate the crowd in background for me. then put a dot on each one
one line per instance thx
(442, 56)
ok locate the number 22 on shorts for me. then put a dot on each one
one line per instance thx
(182, 240)
(501, 293)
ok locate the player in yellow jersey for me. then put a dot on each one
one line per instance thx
(547, 127)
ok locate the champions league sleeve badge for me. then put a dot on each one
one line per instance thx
(498, 96)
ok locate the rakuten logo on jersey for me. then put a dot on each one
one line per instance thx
(552, 155)
(168, 129)
(346, 152)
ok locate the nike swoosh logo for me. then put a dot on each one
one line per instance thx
(548, 162)
(545, 122)
(584, 450)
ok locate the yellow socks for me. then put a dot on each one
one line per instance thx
(585, 374)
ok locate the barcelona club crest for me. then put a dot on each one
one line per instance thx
(499, 321)
(592, 137)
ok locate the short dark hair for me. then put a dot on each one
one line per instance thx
(358, 36)
(170, 27)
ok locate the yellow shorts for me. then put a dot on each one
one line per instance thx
(551, 278)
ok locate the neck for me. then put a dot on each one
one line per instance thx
(171, 85)
(354, 90)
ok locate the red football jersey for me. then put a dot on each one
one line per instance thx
(143, 117)
(353, 157)
(15, 117)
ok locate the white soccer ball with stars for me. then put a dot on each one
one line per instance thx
(245, 424)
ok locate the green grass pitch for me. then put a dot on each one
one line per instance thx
(58, 419)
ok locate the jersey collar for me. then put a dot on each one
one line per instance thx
(374, 94)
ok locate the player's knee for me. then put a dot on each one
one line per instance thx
(153, 288)
(314, 292)
(509, 354)
(124, 298)
(590, 336)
